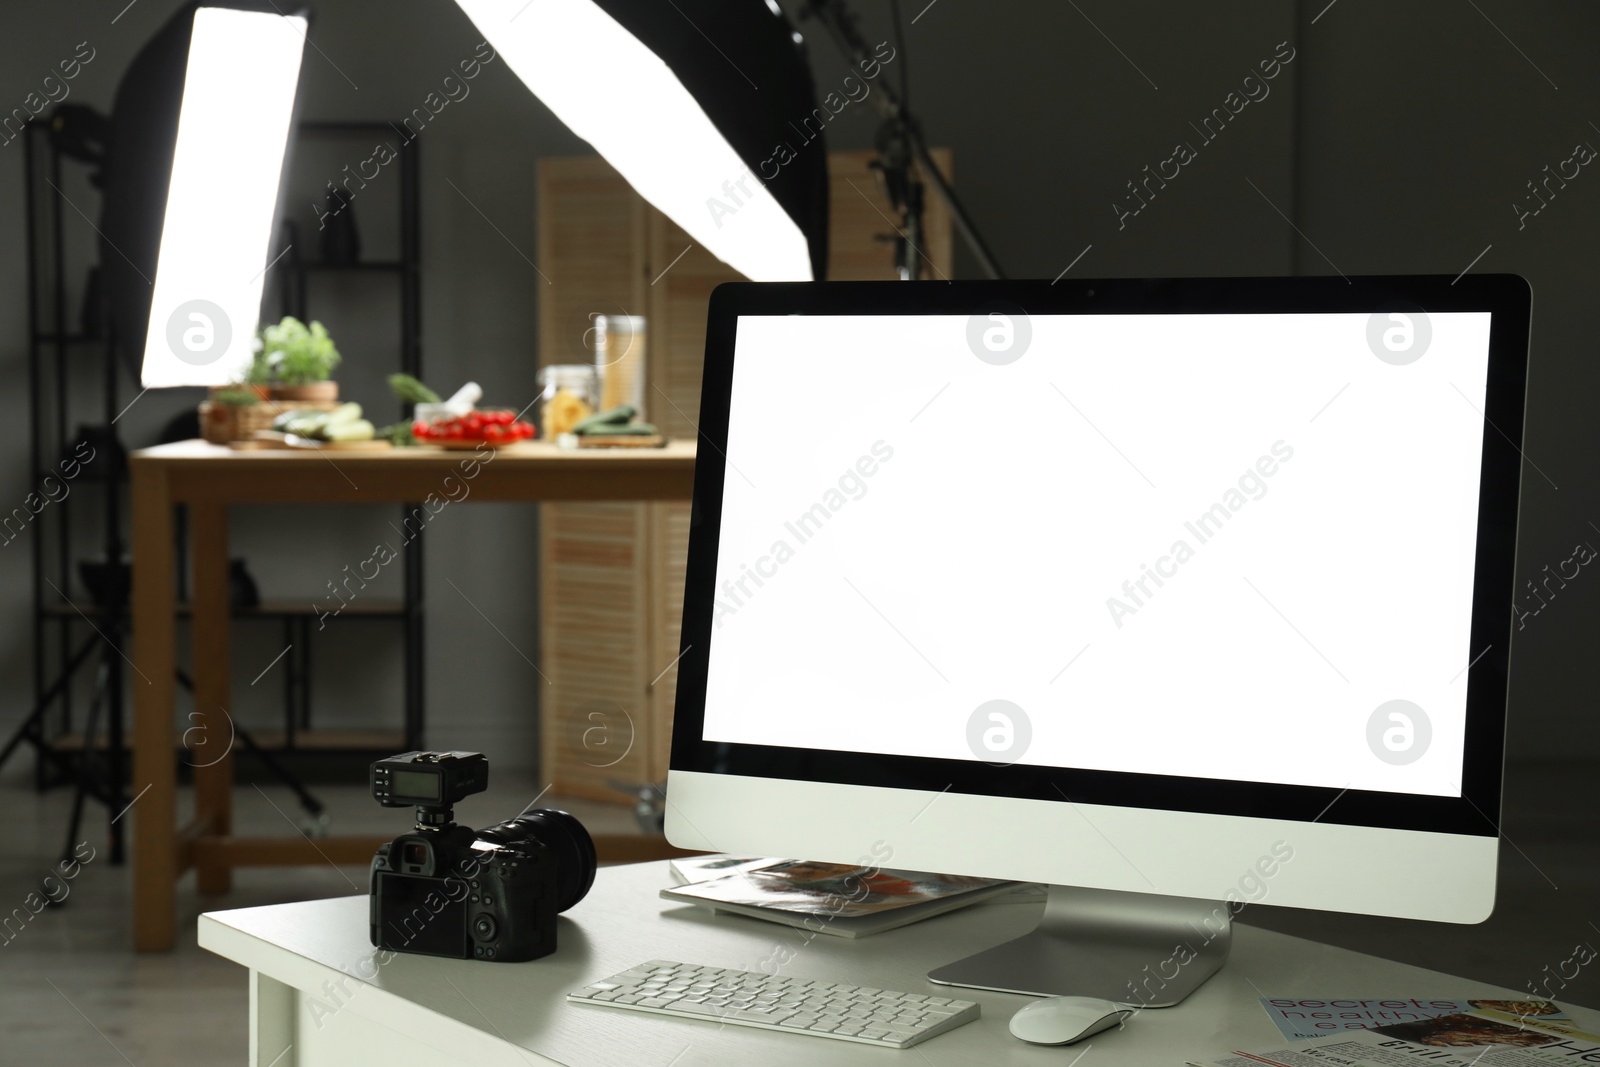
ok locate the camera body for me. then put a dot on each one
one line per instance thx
(449, 890)
(452, 899)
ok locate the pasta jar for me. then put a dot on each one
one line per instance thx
(570, 395)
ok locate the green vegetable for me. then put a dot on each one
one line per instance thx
(396, 433)
(302, 423)
(293, 353)
(411, 390)
(235, 398)
(606, 421)
(632, 429)
(343, 423)
(260, 372)
(358, 430)
(344, 413)
(618, 422)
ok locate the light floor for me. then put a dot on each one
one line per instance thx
(72, 992)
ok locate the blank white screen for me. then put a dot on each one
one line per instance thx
(971, 525)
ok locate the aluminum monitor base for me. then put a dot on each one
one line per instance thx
(1133, 948)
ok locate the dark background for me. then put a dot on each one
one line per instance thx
(1396, 141)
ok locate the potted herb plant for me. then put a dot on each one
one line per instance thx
(297, 360)
(252, 386)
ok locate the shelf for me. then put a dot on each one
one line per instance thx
(273, 741)
(330, 740)
(375, 607)
(372, 265)
(84, 476)
(71, 338)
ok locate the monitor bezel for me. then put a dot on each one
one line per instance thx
(1476, 812)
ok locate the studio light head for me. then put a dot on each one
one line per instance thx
(200, 126)
(689, 101)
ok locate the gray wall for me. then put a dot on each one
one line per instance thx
(1411, 158)
(1396, 140)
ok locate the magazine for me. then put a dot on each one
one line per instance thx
(1492, 1034)
(1300, 1018)
(686, 870)
(836, 898)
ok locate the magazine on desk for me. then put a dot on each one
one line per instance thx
(1301, 1018)
(1492, 1034)
(687, 870)
(835, 898)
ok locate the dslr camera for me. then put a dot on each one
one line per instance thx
(448, 890)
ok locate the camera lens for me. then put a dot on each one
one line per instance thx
(565, 836)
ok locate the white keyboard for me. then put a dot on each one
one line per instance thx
(794, 1005)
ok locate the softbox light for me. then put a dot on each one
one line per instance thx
(706, 107)
(200, 127)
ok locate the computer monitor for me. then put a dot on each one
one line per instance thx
(1173, 595)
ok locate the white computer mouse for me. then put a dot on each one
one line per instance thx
(1063, 1020)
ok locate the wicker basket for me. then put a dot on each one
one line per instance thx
(222, 423)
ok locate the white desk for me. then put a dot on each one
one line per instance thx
(308, 1004)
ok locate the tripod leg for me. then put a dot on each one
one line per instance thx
(90, 728)
(114, 762)
(310, 803)
(28, 730)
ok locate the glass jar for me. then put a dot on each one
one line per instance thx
(571, 393)
(619, 343)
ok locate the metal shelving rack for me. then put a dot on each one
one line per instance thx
(49, 442)
(294, 275)
(58, 367)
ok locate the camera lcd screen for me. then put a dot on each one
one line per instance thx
(420, 916)
(424, 784)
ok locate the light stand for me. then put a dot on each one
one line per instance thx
(903, 151)
(897, 174)
(109, 639)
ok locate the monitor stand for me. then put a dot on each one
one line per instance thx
(1133, 948)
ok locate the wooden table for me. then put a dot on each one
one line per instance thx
(208, 478)
(321, 994)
